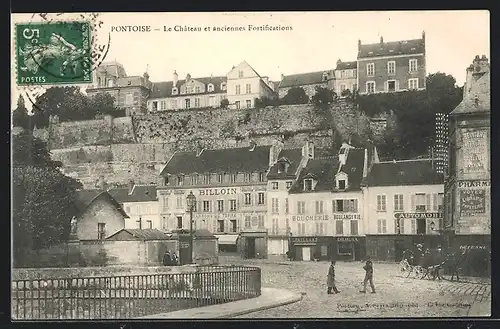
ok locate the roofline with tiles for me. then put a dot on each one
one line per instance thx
(361, 59)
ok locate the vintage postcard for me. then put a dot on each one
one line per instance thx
(251, 165)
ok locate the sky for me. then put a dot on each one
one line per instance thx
(315, 42)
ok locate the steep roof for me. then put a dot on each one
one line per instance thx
(323, 170)
(85, 197)
(404, 47)
(113, 68)
(294, 156)
(144, 235)
(231, 160)
(480, 88)
(354, 167)
(347, 65)
(302, 79)
(398, 173)
(140, 193)
(164, 89)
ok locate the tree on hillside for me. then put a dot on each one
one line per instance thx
(224, 103)
(323, 96)
(43, 197)
(20, 116)
(103, 103)
(295, 95)
(415, 112)
(264, 101)
(69, 103)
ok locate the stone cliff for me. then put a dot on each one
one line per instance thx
(138, 147)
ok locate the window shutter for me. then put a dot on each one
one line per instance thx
(435, 202)
(427, 202)
(215, 226)
(413, 196)
(356, 205)
(334, 206)
(386, 86)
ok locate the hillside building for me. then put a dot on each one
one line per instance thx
(130, 92)
(468, 181)
(346, 75)
(307, 81)
(244, 85)
(391, 66)
(189, 93)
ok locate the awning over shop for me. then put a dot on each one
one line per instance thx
(227, 238)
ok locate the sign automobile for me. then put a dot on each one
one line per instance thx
(418, 215)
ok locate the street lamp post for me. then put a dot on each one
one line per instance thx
(191, 202)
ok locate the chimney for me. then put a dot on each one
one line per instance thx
(381, 40)
(188, 77)
(274, 151)
(199, 150)
(146, 76)
(102, 183)
(339, 61)
(365, 164)
(423, 35)
(359, 44)
(253, 144)
(175, 78)
(309, 150)
(131, 185)
(282, 76)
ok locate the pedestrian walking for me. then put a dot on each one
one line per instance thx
(175, 259)
(167, 259)
(368, 276)
(330, 282)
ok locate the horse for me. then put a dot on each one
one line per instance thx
(58, 48)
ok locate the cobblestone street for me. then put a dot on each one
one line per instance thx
(396, 295)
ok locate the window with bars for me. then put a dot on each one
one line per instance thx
(261, 221)
(206, 206)
(232, 205)
(339, 227)
(381, 226)
(354, 227)
(398, 202)
(274, 206)
(381, 202)
(261, 198)
(248, 199)
(319, 207)
(220, 205)
(301, 207)
(347, 205)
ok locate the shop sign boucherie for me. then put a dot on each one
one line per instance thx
(418, 215)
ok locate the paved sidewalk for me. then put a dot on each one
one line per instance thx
(270, 297)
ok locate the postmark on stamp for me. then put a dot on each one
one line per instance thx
(54, 53)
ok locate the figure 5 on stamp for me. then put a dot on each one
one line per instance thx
(53, 53)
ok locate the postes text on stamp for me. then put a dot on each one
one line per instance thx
(53, 53)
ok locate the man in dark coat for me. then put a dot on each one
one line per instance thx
(330, 282)
(167, 260)
(368, 276)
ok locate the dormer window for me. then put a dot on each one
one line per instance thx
(341, 184)
(223, 86)
(210, 87)
(308, 184)
(341, 181)
(180, 180)
(175, 91)
(283, 165)
(165, 180)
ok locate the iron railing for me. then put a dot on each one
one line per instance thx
(129, 296)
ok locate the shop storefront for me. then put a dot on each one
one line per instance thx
(328, 248)
(350, 248)
(253, 244)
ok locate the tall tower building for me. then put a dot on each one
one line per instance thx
(441, 142)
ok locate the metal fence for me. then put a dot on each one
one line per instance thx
(128, 296)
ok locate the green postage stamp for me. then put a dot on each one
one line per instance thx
(53, 53)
